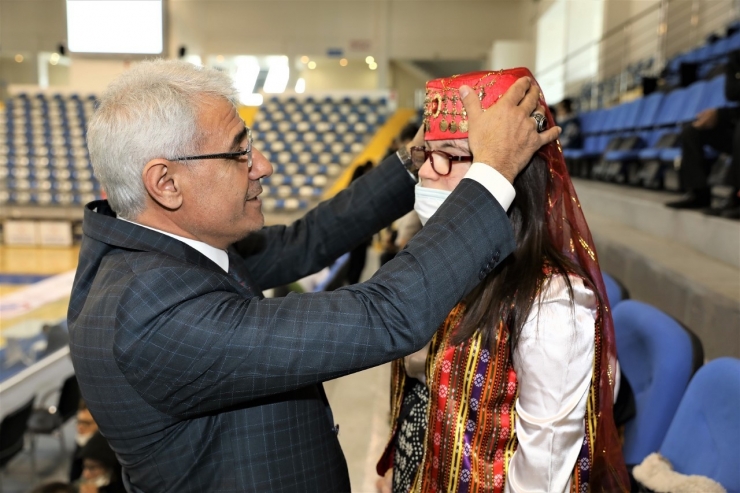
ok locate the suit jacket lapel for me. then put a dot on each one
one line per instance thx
(101, 224)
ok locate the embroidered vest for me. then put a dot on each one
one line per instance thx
(471, 434)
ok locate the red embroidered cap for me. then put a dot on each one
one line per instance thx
(444, 113)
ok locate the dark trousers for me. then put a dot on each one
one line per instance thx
(695, 168)
(356, 263)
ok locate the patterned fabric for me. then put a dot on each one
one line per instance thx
(471, 417)
(409, 448)
(199, 385)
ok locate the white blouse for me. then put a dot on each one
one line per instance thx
(554, 363)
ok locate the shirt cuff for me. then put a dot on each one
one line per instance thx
(494, 182)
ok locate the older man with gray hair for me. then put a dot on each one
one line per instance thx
(197, 381)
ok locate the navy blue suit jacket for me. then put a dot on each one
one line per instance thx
(200, 384)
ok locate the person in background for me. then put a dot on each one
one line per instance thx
(515, 391)
(718, 128)
(101, 472)
(358, 255)
(571, 137)
(403, 138)
(86, 428)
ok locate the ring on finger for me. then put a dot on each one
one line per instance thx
(541, 121)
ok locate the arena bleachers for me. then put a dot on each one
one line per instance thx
(637, 142)
(43, 154)
(44, 159)
(310, 142)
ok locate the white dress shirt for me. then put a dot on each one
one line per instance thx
(218, 256)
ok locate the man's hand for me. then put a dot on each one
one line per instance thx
(505, 136)
(706, 120)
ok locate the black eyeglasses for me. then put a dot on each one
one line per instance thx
(441, 161)
(225, 155)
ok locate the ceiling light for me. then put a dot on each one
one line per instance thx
(373, 66)
(277, 76)
(312, 65)
(304, 59)
(369, 59)
(19, 58)
(300, 85)
(343, 62)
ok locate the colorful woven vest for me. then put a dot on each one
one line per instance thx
(471, 435)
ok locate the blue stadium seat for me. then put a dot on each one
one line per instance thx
(657, 356)
(704, 436)
(615, 290)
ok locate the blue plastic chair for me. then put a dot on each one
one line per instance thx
(615, 290)
(704, 437)
(657, 357)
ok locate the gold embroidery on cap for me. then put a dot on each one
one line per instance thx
(443, 125)
(464, 126)
(453, 126)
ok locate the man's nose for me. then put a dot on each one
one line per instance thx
(261, 167)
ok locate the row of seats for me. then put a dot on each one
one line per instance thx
(44, 158)
(706, 57)
(597, 94)
(637, 142)
(685, 411)
(43, 152)
(321, 136)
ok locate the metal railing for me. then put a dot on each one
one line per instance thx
(639, 46)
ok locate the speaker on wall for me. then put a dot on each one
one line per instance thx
(182, 51)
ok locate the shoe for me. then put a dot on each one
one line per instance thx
(697, 199)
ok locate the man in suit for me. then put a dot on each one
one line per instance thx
(197, 381)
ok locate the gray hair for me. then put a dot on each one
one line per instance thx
(151, 111)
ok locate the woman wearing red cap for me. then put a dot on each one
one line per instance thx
(515, 391)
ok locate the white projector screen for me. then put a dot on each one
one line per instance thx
(115, 26)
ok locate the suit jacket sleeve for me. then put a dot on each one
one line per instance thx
(279, 255)
(207, 348)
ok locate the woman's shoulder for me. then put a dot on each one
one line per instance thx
(557, 286)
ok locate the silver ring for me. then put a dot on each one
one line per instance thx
(541, 121)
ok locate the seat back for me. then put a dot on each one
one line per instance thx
(646, 117)
(615, 290)
(656, 356)
(12, 430)
(691, 101)
(714, 96)
(704, 436)
(668, 114)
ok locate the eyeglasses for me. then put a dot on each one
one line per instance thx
(225, 155)
(441, 161)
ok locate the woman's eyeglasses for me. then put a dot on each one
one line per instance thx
(441, 161)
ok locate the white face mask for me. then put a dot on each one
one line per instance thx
(82, 440)
(102, 480)
(428, 201)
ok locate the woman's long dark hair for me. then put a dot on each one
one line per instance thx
(509, 292)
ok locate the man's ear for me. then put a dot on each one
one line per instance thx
(162, 183)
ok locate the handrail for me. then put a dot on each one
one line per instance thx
(604, 37)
